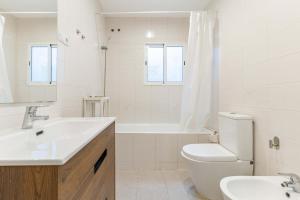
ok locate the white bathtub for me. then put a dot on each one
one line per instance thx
(153, 146)
(157, 129)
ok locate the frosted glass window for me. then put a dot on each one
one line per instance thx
(164, 64)
(174, 64)
(155, 63)
(40, 64)
(43, 64)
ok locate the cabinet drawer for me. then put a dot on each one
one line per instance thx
(108, 189)
(104, 178)
(77, 172)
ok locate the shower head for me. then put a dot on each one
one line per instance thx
(104, 48)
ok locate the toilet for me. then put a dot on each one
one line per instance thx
(233, 156)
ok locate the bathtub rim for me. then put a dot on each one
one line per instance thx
(130, 128)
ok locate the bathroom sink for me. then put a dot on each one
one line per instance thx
(256, 188)
(52, 142)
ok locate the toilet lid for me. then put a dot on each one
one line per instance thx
(208, 152)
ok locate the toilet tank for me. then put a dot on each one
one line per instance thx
(236, 134)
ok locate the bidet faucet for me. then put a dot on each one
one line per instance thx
(293, 183)
(30, 116)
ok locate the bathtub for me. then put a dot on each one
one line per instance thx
(157, 129)
(154, 146)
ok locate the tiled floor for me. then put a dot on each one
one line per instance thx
(155, 185)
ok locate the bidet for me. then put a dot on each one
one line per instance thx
(256, 188)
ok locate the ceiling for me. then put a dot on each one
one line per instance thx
(107, 5)
(28, 5)
(152, 5)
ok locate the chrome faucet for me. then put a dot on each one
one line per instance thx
(294, 181)
(30, 116)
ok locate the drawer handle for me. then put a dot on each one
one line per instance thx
(100, 161)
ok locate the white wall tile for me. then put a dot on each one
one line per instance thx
(132, 101)
(259, 74)
(83, 60)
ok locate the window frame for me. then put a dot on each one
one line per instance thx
(165, 46)
(29, 71)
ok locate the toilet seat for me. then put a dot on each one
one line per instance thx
(208, 153)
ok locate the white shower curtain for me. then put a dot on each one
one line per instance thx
(196, 105)
(5, 92)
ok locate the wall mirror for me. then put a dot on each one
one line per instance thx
(28, 57)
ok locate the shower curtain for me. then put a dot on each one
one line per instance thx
(196, 108)
(5, 92)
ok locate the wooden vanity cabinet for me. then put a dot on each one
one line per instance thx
(88, 175)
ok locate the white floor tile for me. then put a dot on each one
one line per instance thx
(174, 185)
(126, 185)
(155, 185)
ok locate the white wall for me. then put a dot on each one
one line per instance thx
(83, 61)
(9, 46)
(131, 100)
(259, 74)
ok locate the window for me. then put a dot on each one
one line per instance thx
(174, 64)
(155, 60)
(43, 64)
(164, 64)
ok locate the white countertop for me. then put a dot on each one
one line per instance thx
(61, 140)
